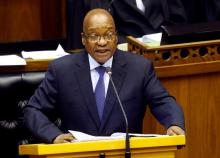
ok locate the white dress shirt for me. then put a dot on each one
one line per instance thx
(140, 5)
(95, 75)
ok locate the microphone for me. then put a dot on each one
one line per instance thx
(127, 138)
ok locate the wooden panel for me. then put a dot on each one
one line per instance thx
(20, 20)
(23, 20)
(177, 54)
(199, 97)
(53, 20)
(32, 66)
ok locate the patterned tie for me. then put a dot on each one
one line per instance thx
(100, 91)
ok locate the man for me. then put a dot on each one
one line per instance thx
(69, 90)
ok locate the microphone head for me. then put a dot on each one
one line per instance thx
(108, 70)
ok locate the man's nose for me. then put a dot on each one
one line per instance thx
(102, 41)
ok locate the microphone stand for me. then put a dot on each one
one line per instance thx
(127, 138)
(102, 155)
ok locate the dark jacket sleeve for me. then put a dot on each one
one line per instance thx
(163, 106)
(174, 12)
(41, 110)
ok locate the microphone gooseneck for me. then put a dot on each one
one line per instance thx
(127, 138)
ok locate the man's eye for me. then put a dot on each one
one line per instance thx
(93, 37)
(109, 35)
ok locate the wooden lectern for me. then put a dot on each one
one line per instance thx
(191, 73)
(141, 147)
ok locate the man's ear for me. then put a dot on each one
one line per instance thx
(83, 38)
(116, 39)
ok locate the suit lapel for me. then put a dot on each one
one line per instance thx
(85, 83)
(147, 5)
(118, 76)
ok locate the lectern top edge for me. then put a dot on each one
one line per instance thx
(104, 145)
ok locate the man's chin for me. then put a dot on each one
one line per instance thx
(101, 60)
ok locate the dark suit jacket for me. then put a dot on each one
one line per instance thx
(131, 21)
(67, 92)
(202, 10)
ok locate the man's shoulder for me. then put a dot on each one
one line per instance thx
(71, 58)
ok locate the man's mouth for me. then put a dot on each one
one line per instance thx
(102, 51)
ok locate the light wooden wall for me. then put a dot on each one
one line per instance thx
(199, 96)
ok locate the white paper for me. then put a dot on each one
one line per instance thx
(151, 39)
(80, 136)
(47, 54)
(7, 60)
(123, 46)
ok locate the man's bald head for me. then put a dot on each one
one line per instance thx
(99, 35)
(99, 16)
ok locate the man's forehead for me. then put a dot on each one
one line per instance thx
(107, 27)
(100, 28)
(98, 21)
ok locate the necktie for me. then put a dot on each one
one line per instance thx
(100, 91)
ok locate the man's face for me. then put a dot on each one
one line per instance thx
(99, 37)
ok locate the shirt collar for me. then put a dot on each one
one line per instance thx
(93, 63)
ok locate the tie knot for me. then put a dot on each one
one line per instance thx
(101, 70)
